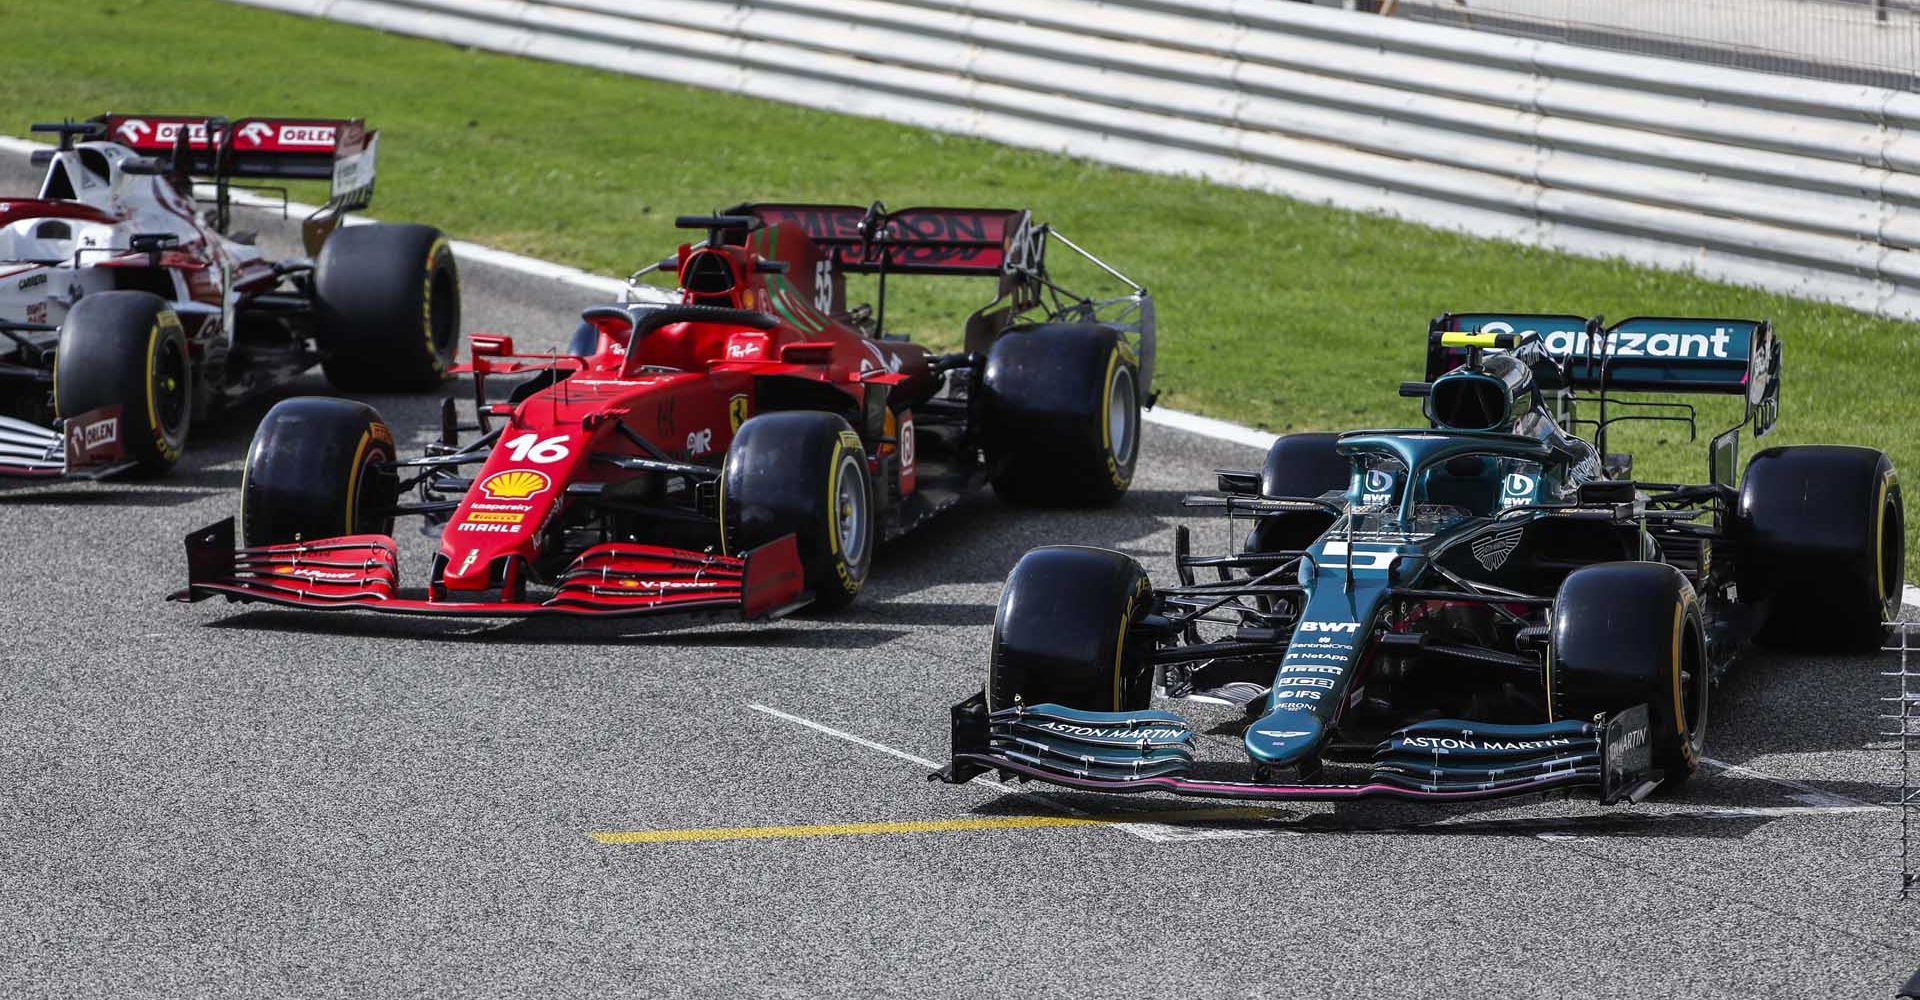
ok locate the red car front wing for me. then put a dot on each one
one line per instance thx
(361, 573)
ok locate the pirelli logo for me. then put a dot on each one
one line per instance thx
(493, 517)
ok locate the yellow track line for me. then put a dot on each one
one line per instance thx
(914, 826)
(839, 829)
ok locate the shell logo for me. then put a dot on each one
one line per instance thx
(515, 484)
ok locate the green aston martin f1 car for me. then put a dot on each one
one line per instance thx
(1483, 606)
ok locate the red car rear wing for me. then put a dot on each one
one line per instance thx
(923, 240)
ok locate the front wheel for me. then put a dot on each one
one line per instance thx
(127, 349)
(318, 468)
(1626, 634)
(802, 473)
(1060, 635)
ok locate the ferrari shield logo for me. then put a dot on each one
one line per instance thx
(737, 410)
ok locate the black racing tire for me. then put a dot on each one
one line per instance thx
(318, 468)
(1059, 412)
(804, 473)
(1298, 465)
(1820, 546)
(1626, 634)
(388, 302)
(1060, 635)
(127, 349)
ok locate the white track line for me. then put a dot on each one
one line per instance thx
(1191, 423)
(1813, 797)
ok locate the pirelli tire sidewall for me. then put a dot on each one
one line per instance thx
(1631, 633)
(803, 473)
(387, 299)
(1059, 414)
(128, 349)
(318, 468)
(1820, 546)
(1061, 632)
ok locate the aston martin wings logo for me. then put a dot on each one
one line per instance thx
(1493, 548)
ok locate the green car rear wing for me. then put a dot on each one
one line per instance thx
(1659, 354)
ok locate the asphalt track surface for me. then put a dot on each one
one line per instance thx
(216, 800)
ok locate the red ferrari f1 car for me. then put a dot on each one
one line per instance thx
(127, 312)
(742, 449)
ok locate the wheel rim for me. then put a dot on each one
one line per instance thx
(170, 401)
(1122, 412)
(850, 510)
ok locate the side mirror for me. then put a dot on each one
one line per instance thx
(770, 266)
(144, 166)
(153, 242)
(41, 157)
(492, 345)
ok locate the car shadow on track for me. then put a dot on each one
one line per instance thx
(1383, 818)
(552, 631)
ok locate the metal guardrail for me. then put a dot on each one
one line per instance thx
(1800, 186)
(1874, 42)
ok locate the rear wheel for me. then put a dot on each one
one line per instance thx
(126, 349)
(1821, 545)
(318, 468)
(1060, 635)
(388, 299)
(1298, 465)
(1060, 414)
(1630, 633)
(802, 473)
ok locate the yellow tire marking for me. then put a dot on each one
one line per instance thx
(153, 398)
(353, 480)
(833, 497)
(1120, 646)
(426, 302)
(1679, 698)
(1880, 539)
(1106, 402)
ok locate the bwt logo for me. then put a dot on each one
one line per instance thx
(1348, 627)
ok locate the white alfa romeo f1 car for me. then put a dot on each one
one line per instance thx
(129, 309)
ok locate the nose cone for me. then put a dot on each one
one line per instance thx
(1283, 736)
